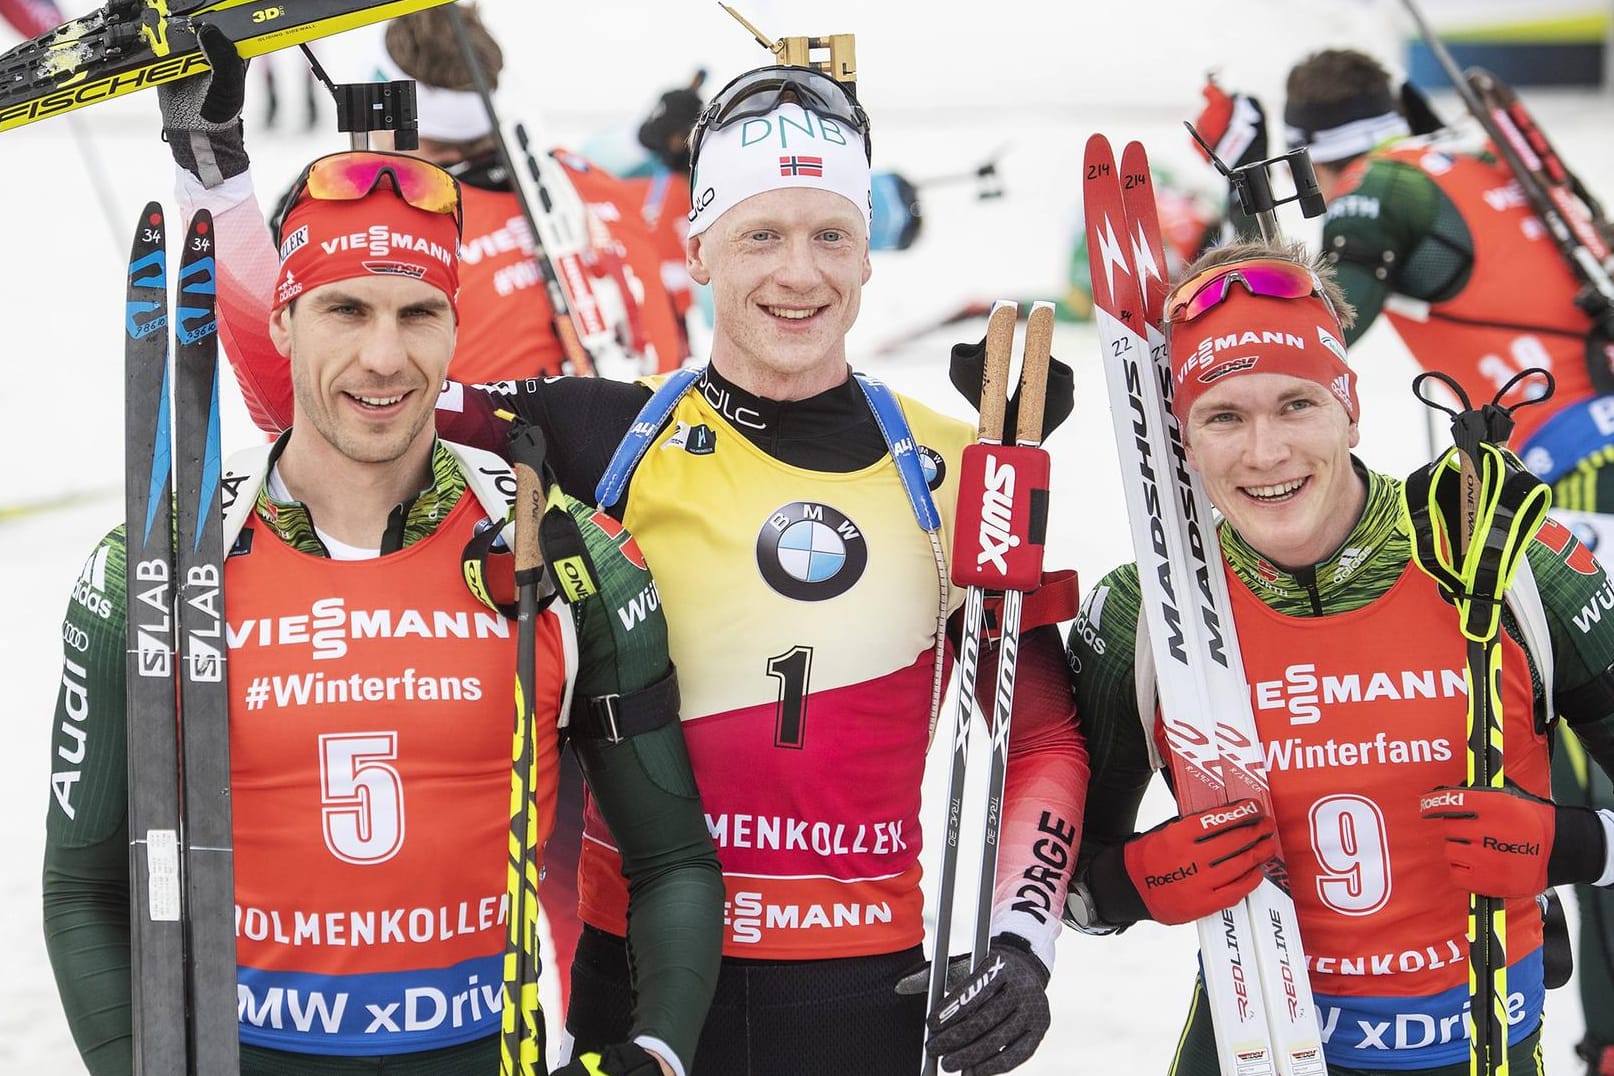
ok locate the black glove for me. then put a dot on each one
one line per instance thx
(202, 114)
(623, 1059)
(965, 368)
(993, 1021)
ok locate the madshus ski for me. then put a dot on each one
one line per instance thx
(182, 862)
(130, 45)
(1255, 973)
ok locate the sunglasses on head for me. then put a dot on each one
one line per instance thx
(759, 92)
(1272, 278)
(355, 174)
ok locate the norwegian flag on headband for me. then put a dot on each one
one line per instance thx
(795, 165)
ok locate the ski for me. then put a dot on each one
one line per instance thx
(157, 941)
(182, 878)
(998, 537)
(130, 45)
(209, 863)
(1255, 977)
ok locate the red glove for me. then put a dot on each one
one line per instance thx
(1193, 866)
(1497, 841)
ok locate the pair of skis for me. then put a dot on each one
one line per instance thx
(182, 874)
(130, 45)
(998, 540)
(1255, 973)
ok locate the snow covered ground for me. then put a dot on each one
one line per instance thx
(946, 91)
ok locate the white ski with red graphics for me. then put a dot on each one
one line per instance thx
(1255, 974)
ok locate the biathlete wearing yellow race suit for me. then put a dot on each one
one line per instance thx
(370, 934)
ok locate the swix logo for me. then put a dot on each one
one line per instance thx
(1222, 818)
(974, 990)
(380, 241)
(1204, 356)
(1446, 798)
(997, 516)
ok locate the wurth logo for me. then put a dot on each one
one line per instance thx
(997, 516)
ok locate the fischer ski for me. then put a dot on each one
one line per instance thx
(130, 45)
(181, 846)
(1255, 974)
(998, 540)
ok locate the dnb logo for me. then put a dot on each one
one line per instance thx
(810, 552)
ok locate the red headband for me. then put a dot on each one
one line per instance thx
(1255, 334)
(381, 235)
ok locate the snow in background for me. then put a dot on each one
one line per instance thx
(948, 87)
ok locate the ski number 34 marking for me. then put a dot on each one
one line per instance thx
(791, 669)
(363, 796)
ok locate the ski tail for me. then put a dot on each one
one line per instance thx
(157, 935)
(521, 1040)
(1255, 979)
(131, 45)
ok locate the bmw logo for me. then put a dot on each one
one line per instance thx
(810, 552)
(933, 466)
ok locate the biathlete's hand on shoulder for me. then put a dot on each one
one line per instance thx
(1508, 843)
(1185, 868)
(622, 1059)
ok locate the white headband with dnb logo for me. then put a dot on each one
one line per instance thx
(789, 147)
